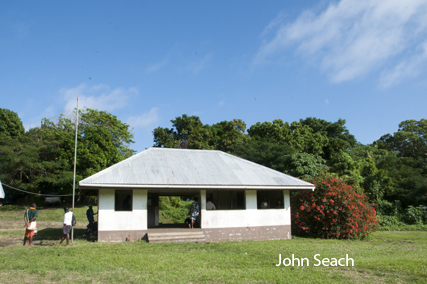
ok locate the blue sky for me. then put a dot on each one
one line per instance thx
(148, 62)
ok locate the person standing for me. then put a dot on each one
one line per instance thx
(194, 212)
(210, 205)
(67, 225)
(29, 217)
(90, 214)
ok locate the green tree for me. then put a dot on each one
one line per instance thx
(339, 138)
(103, 140)
(33, 162)
(304, 165)
(409, 141)
(300, 137)
(188, 132)
(228, 135)
(10, 124)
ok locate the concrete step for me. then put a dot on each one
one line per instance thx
(177, 237)
(190, 240)
(188, 233)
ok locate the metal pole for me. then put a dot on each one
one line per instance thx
(75, 158)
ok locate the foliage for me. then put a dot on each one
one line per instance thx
(304, 165)
(300, 137)
(228, 136)
(174, 208)
(41, 160)
(333, 210)
(416, 215)
(188, 132)
(10, 124)
(266, 153)
(33, 162)
(339, 138)
(409, 141)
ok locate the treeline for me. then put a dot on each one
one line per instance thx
(41, 160)
(392, 171)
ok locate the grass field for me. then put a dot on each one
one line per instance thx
(388, 257)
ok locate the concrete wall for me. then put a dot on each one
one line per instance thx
(251, 217)
(110, 220)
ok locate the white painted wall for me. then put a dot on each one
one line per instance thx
(110, 220)
(246, 218)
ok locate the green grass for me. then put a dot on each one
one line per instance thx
(388, 257)
(45, 213)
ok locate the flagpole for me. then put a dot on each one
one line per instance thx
(75, 158)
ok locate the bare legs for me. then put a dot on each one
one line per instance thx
(30, 241)
(67, 237)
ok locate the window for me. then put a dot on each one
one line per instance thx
(270, 199)
(123, 200)
(227, 200)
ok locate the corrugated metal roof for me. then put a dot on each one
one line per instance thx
(181, 168)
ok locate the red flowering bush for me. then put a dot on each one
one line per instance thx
(333, 210)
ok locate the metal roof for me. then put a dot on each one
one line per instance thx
(182, 168)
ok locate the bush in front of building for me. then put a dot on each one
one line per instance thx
(333, 210)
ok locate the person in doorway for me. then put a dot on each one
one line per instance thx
(29, 217)
(67, 225)
(210, 205)
(194, 212)
(90, 214)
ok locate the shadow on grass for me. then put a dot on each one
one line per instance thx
(46, 237)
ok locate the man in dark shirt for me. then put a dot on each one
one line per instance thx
(29, 216)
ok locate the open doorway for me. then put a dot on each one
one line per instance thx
(166, 210)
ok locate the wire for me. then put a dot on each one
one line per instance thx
(35, 192)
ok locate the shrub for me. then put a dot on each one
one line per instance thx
(416, 215)
(333, 210)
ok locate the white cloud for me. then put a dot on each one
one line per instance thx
(351, 38)
(144, 120)
(409, 68)
(100, 97)
(198, 66)
(157, 66)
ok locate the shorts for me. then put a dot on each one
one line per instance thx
(66, 230)
(29, 233)
(193, 218)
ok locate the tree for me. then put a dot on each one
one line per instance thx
(33, 162)
(188, 132)
(103, 140)
(300, 137)
(409, 141)
(10, 124)
(228, 135)
(304, 165)
(266, 153)
(339, 138)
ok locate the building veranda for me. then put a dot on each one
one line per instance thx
(252, 201)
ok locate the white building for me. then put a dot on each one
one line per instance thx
(128, 194)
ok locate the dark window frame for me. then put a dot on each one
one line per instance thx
(119, 200)
(234, 199)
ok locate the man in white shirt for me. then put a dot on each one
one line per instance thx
(66, 229)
